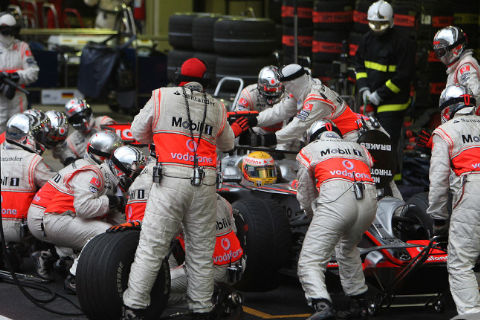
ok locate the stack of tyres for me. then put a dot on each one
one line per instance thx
(332, 21)
(360, 23)
(304, 31)
(244, 46)
(466, 16)
(406, 15)
(180, 36)
(434, 16)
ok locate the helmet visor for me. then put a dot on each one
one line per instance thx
(261, 172)
(378, 26)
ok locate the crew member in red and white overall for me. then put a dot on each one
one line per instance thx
(227, 246)
(456, 153)
(79, 115)
(449, 45)
(23, 172)
(329, 169)
(268, 98)
(80, 201)
(187, 125)
(18, 65)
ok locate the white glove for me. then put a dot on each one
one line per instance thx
(374, 98)
(365, 93)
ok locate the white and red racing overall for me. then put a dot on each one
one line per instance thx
(456, 147)
(23, 173)
(78, 206)
(174, 200)
(328, 168)
(16, 57)
(75, 146)
(466, 71)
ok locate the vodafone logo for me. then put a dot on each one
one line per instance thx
(347, 164)
(191, 145)
(225, 243)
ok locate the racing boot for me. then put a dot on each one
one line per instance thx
(358, 308)
(132, 314)
(323, 310)
(70, 285)
(43, 262)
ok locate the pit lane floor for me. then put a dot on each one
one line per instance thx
(286, 302)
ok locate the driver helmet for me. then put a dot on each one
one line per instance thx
(449, 43)
(59, 128)
(126, 163)
(259, 167)
(42, 125)
(269, 84)
(21, 131)
(319, 127)
(9, 26)
(79, 115)
(102, 145)
(380, 17)
(454, 98)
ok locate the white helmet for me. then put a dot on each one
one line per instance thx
(21, 131)
(9, 25)
(59, 128)
(449, 43)
(102, 145)
(296, 80)
(319, 127)
(453, 98)
(126, 163)
(380, 16)
(269, 84)
(79, 114)
(42, 125)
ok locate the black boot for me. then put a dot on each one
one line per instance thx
(358, 308)
(43, 262)
(323, 310)
(132, 314)
(70, 285)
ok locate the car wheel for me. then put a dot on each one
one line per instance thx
(266, 237)
(102, 276)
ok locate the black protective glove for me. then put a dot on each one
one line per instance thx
(440, 227)
(252, 122)
(116, 202)
(68, 161)
(134, 225)
(14, 77)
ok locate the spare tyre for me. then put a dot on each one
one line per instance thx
(180, 30)
(102, 276)
(246, 68)
(266, 236)
(202, 32)
(240, 36)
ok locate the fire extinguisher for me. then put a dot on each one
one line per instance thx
(139, 9)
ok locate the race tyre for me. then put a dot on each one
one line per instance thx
(239, 36)
(422, 226)
(333, 15)
(304, 41)
(246, 68)
(175, 59)
(102, 276)
(202, 32)
(304, 12)
(267, 240)
(180, 30)
(327, 45)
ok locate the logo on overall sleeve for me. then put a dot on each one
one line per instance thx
(94, 185)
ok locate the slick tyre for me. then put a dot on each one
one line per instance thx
(102, 276)
(423, 227)
(266, 237)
